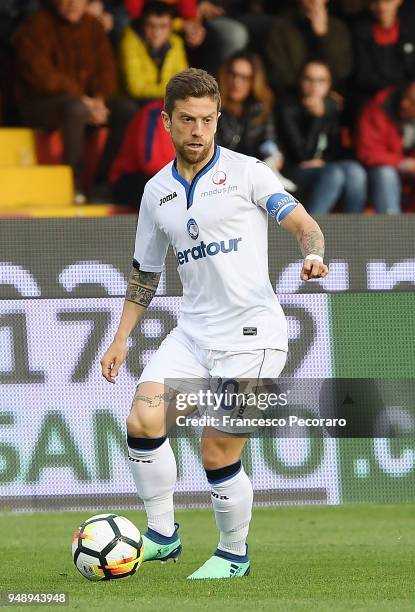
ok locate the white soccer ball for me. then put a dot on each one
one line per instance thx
(107, 547)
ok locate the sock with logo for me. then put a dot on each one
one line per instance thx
(153, 467)
(232, 497)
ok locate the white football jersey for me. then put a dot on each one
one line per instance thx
(217, 226)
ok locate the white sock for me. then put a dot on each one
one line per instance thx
(232, 502)
(155, 473)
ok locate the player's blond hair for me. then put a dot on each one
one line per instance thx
(191, 83)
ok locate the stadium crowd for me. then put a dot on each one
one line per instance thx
(323, 91)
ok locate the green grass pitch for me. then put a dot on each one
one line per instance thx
(356, 557)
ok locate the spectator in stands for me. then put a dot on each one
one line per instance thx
(308, 32)
(150, 54)
(188, 21)
(310, 135)
(246, 124)
(384, 48)
(67, 79)
(147, 147)
(211, 37)
(385, 143)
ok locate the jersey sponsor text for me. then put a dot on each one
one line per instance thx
(203, 250)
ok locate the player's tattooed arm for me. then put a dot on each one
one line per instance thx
(306, 230)
(142, 286)
(311, 242)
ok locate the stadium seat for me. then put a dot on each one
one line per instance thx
(49, 150)
(22, 181)
(17, 147)
(35, 185)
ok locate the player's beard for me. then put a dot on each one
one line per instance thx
(194, 157)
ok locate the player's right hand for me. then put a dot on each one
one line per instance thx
(312, 268)
(112, 360)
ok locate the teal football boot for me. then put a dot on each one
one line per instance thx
(161, 548)
(223, 565)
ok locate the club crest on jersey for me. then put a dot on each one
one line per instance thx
(219, 177)
(192, 229)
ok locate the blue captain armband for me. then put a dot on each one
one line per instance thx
(279, 205)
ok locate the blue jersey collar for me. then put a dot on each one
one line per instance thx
(190, 187)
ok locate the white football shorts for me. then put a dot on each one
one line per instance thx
(184, 366)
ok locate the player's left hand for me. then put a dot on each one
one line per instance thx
(312, 268)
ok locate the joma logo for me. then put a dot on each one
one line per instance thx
(168, 197)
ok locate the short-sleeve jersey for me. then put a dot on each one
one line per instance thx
(217, 226)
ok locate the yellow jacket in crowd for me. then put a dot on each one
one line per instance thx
(142, 77)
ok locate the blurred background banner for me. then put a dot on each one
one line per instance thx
(62, 434)
(91, 257)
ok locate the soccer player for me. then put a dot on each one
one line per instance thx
(212, 205)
